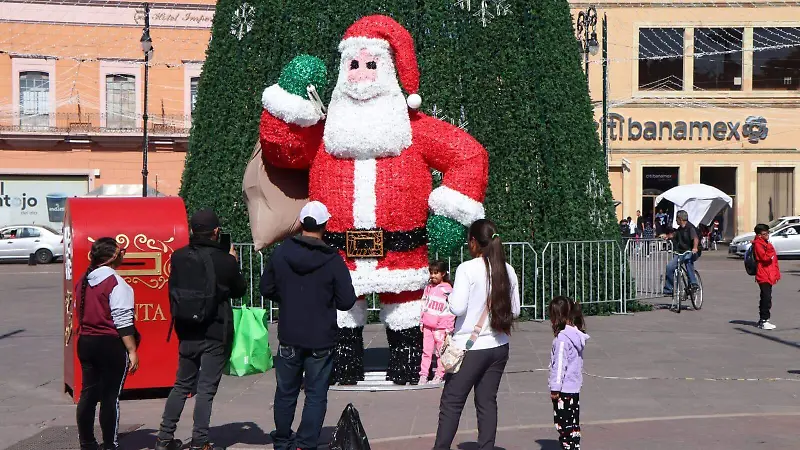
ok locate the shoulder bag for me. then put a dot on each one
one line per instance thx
(450, 356)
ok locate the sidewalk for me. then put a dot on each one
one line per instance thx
(658, 380)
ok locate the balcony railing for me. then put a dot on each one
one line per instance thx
(95, 123)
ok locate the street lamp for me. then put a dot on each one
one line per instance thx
(586, 28)
(147, 48)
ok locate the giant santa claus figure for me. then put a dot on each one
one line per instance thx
(369, 160)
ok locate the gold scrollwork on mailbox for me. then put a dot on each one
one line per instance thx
(147, 260)
(68, 316)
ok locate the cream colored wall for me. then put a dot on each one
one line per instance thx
(780, 108)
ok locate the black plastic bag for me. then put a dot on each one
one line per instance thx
(349, 433)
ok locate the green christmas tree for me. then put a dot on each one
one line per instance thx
(508, 71)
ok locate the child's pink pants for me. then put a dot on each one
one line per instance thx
(432, 340)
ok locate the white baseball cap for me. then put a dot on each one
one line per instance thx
(315, 210)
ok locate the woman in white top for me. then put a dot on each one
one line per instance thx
(486, 281)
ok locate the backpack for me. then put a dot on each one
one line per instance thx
(192, 287)
(750, 264)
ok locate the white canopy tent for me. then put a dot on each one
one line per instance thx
(701, 201)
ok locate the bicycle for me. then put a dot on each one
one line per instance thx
(681, 288)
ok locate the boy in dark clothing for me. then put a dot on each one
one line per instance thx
(204, 348)
(310, 282)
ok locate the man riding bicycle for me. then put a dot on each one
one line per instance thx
(684, 239)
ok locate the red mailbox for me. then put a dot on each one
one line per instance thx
(150, 230)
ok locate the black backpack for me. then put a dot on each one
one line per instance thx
(192, 287)
(750, 264)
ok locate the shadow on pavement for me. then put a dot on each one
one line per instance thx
(248, 433)
(795, 372)
(473, 446)
(143, 438)
(12, 333)
(744, 322)
(548, 444)
(769, 338)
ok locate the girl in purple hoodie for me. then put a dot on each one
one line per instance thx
(566, 369)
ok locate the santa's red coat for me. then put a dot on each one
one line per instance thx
(392, 193)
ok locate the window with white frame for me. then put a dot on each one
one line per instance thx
(120, 101)
(776, 59)
(661, 59)
(193, 90)
(718, 59)
(34, 103)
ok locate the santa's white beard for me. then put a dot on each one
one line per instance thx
(366, 129)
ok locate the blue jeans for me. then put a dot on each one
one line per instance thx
(688, 261)
(290, 365)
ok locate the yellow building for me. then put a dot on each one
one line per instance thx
(72, 92)
(702, 92)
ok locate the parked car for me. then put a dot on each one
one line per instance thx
(786, 241)
(19, 241)
(741, 243)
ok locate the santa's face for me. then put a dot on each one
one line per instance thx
(367, 115)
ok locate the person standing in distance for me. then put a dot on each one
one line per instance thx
(768, 273)
(203, 279)
(310, 282)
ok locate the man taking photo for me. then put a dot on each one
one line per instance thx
(310, 282)
(684, 239)
(204, 277)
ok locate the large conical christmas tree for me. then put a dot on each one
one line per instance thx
(508, 71)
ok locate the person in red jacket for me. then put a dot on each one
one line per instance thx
(767, 273)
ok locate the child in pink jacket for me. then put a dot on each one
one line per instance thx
(437, 320)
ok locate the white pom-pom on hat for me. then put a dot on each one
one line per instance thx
(414, 101)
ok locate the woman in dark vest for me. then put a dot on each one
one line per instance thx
(106, 342)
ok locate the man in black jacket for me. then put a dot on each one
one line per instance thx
(310, 282)
(204, 348)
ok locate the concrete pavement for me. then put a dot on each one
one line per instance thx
(657, 380)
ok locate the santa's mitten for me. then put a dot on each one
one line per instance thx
(289, 100)
(445, 236)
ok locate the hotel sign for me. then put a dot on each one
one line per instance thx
(753, 129)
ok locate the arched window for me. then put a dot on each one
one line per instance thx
(34, 99)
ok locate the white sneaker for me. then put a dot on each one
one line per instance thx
(766, 325)
(423, 380)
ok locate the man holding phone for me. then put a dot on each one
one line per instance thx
(205, 275)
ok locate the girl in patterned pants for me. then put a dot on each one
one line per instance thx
(566, 369)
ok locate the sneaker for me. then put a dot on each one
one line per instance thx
(170, 444)
(766, 325)
(423, 380)
(437, 380)
(206, 446)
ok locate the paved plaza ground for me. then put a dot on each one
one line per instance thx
(657, 380)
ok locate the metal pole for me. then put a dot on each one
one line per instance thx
(146, 143)
(586, 47)
(605, 90)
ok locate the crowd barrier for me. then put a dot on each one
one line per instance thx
(604, 275)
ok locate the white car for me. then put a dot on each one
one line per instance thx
(786, 241)
(741, 243)
(19, 241)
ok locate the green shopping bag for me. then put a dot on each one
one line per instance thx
(251, 353)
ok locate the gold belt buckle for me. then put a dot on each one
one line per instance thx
(364, 244)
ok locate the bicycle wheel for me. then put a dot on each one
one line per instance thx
(679, 290)
(697, 296)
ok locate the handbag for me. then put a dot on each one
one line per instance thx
(250, 351)
(450, 356)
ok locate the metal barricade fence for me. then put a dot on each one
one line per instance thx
(602, 275)
(647, 260)
(592, 272)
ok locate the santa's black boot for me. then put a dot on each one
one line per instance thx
(393, 371)
(411, 353)
(348, 358)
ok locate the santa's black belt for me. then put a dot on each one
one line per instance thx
(374, 243)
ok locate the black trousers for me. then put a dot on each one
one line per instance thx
(481, 370)
(567, 418)
(765, 302)
(104, 365)
(200, 365)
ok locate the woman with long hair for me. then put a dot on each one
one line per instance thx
(107, 341)
(484, 284)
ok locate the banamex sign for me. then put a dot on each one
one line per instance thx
(754, 130)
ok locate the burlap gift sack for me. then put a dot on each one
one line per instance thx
(274, 197)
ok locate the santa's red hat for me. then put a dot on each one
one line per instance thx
(385, 32)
